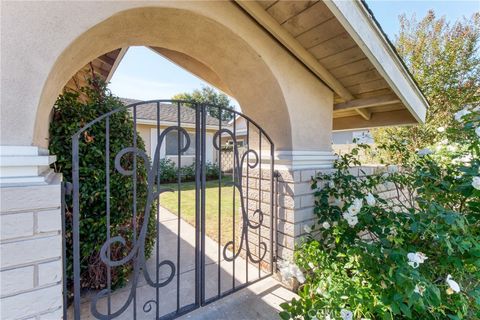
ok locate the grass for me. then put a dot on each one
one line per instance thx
(169, 200)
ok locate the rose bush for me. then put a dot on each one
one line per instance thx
(415, 256)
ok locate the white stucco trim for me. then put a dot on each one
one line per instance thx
(304, 159)
(360, 25)
(25, 165)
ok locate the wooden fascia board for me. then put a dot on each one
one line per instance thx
(119, 58)
(256, 11)
(378, 119)
(358, 23)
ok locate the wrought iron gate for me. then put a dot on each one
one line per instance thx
(189, 265)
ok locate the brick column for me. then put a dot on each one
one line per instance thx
(294, 198)
(31, 239)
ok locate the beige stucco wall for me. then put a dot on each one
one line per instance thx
(272, 87)
(144, 132)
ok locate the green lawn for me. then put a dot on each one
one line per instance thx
(169, 200)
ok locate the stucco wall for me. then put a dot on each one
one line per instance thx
(291, 104)
(144, 132)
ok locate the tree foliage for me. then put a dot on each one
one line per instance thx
(444, 59)
(209, 95)
(71, 113)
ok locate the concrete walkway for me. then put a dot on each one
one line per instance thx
(260, 300)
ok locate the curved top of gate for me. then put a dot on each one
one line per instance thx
(194, 104)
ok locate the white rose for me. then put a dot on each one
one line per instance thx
(454, 286)
(419, 289)
(326, 225)
(346, 314)
(424, 152)
(353, 210)
(371, 201)
(297, 273)
(352, 221)
(476, 183)
(300, 278)
(416, 258)
(331, 184)
(441, 129)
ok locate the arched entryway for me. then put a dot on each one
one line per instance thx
(206, 43)
(272, 87)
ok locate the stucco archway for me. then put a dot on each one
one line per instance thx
(237, 64)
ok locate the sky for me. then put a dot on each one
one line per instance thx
(145, 75)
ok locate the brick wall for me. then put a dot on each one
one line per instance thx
(295, 204)
(31, 249)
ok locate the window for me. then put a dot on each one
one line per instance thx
(171, 144)
(240, 143)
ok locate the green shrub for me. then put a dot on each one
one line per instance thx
(71, 113)
(212, 170)
(169, 173)
(188, 172)
(416, 256)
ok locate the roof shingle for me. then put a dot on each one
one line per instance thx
(168, 112)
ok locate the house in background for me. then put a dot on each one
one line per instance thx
(238, 126)
(146, 118)
(349, 136)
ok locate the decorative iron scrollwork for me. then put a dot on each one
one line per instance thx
(137, 253)
(237, 183)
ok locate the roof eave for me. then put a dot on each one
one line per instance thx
(362, 27)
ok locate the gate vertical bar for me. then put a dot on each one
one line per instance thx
(197, 206)
(219, 203)
(76, 229)
(134, 178)
(247, 195)
(179, 198)
(203, 159)
(235, 170)
(107, 182)
(157, 220)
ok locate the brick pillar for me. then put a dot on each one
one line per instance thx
(31, 239)
(294, 198)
